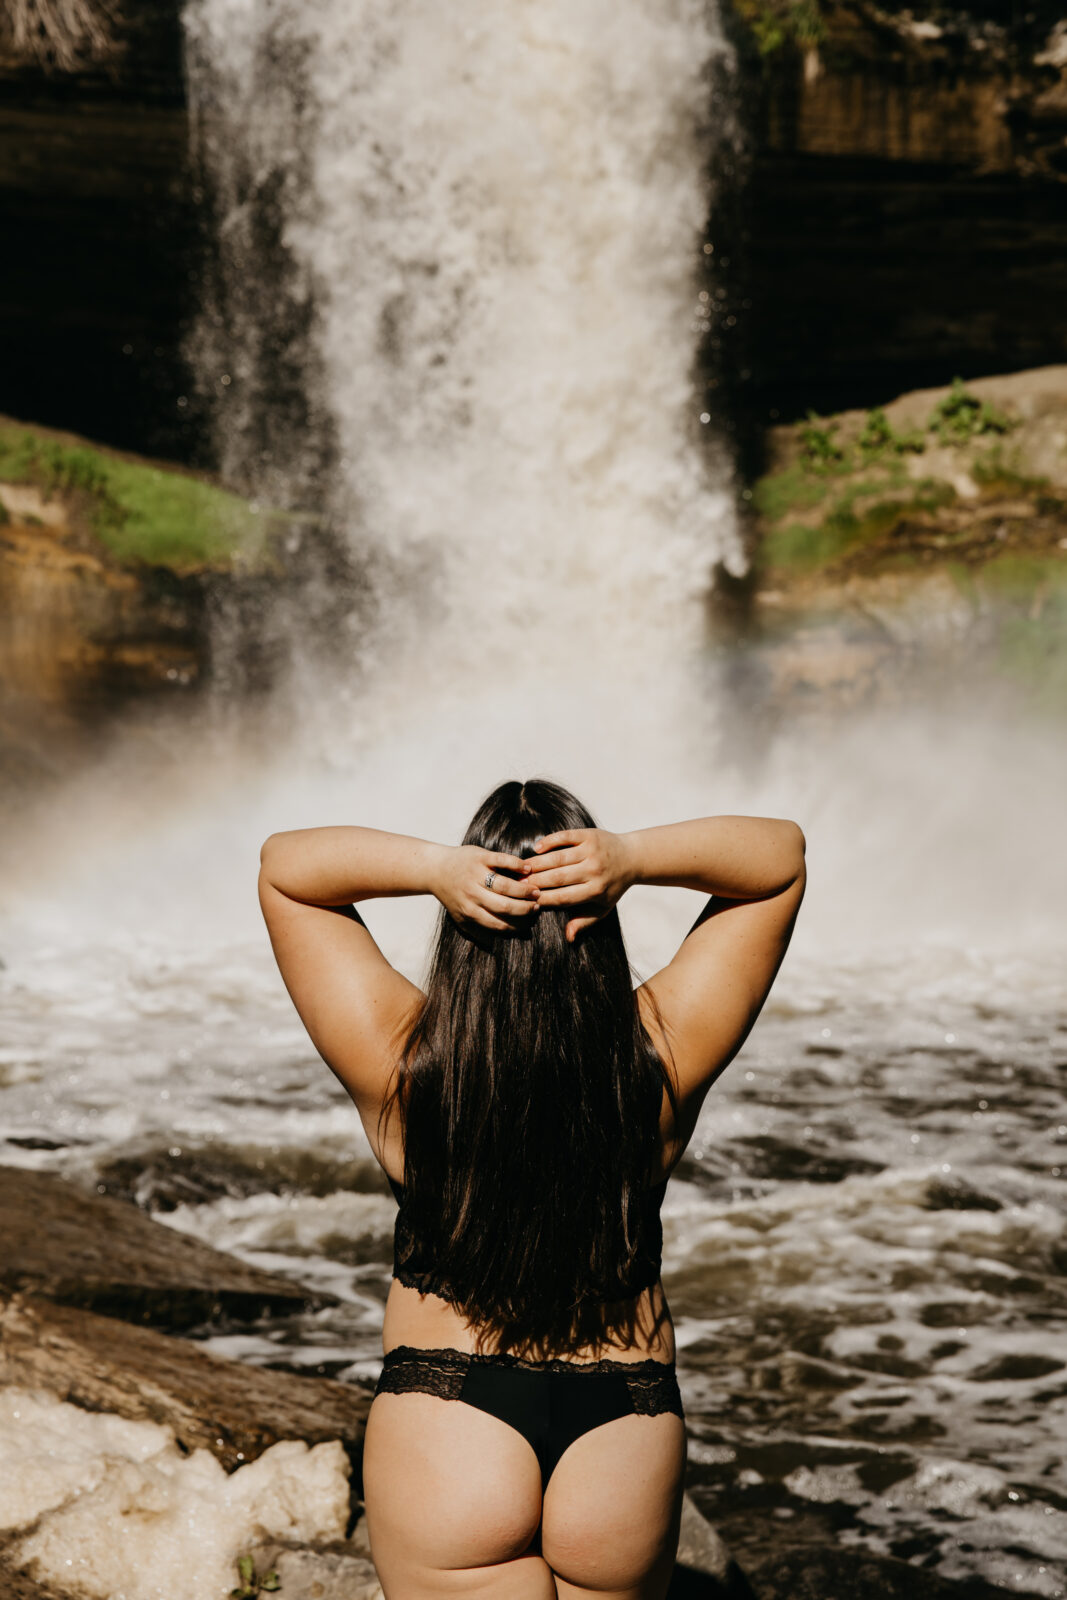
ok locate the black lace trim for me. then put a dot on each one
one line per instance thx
(409, 1369)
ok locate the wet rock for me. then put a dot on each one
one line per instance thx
(705, 1570)
(821, 1574)
(320, 1572)
(234, 1410)
(88, 1250)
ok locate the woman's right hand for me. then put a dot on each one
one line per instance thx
(460, 883)
(587, 867)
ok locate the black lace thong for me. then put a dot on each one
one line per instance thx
(551, 1403)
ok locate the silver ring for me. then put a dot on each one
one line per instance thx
(490, 879)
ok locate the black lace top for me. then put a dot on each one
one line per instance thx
(412, 1267)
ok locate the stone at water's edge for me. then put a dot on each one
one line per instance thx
(88, 1250)
(229, 1408)
(320, 1572)
(705, 1569)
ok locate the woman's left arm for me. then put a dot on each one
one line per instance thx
(353, 1003)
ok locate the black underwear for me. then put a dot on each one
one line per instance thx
(551, 1403)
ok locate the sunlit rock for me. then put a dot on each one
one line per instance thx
(117, 1510)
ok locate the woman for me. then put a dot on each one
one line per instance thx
(526, 1440)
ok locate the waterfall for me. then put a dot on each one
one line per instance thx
(455, 306)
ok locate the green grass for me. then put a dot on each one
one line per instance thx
(794, 489)
(138, 512)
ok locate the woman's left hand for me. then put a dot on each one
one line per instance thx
(589, 867)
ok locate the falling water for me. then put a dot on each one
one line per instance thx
(496, 211)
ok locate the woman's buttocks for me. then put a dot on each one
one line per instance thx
(641, 1330)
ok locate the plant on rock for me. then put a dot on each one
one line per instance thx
(818, 446)
(960, 416)
(251, 1586)
(880, 438)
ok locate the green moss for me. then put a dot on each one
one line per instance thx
(138, 512)
(251, 1584)
(794, 489)
(856, 517)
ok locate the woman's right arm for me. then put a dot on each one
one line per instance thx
(349, 997)
(706, 1000)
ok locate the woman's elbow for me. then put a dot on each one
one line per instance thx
(797, 845)
(270, 850)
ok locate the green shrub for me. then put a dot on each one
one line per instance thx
(880, 438)
(960, 416)
(818, 447)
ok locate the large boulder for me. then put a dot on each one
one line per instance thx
(88, 1250)
(229, 1408)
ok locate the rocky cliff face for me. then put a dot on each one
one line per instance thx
(123, 582)
(901, 218)
(916, 544)
(906, 209)
(98, 215)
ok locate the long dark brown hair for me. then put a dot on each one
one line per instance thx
(530, 1098)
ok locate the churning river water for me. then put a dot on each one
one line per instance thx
(865, 1243)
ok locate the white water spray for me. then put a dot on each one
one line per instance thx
(497, 208)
